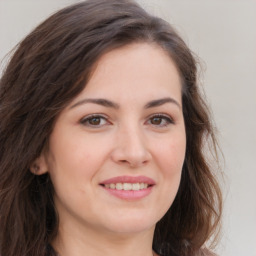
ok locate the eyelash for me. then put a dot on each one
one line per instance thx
(168, 120)
(86, 120)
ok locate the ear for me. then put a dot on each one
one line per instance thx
(39, 165)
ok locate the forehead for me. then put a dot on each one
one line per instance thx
(135, 69)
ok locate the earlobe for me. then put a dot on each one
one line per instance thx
(39, 166)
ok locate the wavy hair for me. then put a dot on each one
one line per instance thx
(49, 68)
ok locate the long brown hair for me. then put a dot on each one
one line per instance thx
(48, 69)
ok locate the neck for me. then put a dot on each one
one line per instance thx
(79, 242)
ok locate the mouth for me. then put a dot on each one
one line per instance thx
(128, 187)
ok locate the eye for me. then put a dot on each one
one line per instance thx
(94, 121)
(160, 120)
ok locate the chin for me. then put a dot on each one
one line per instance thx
(131, 225)
(131, 229)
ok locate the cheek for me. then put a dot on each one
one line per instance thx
(72, 166)
(170, 159)
(171, 153)
(75, 160)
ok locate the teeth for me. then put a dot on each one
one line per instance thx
(127, 186)
(119, 186)
(135, 186)
(113, 186)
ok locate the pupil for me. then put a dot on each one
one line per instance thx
(95, 121)
(156, 120)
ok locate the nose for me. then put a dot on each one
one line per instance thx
(131, 148)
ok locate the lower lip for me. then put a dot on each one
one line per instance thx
(129, 194)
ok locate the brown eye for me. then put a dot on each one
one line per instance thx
(160, 120)
(94, 121)
(156, 120)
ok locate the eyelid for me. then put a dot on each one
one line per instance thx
(164, 116)
(91, 116)
(85, 120)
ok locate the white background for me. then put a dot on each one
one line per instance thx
(223, 34)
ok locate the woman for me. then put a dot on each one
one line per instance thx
(102, 136)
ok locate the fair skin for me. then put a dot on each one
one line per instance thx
(126, 125)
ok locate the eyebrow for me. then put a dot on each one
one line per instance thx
(111, 104)
(160, 102)
(102, 102)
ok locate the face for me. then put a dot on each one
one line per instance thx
(116, 152)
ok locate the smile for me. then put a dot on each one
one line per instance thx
(127, 186)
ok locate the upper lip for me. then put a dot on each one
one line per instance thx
(129, 179)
